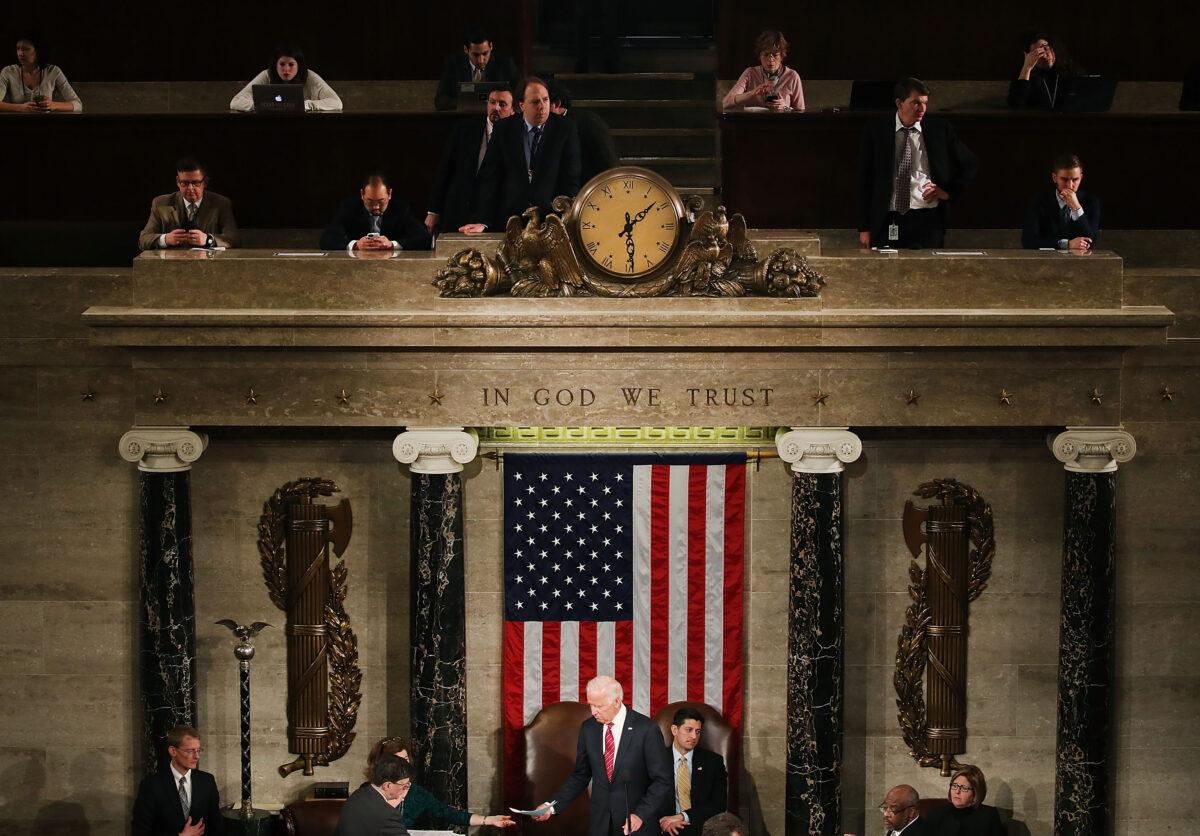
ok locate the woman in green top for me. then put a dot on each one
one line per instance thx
(420, 801)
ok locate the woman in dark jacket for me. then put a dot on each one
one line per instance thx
(967, 815)
(1045, 74)
(420, 801)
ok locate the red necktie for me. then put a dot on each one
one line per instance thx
(610, 750)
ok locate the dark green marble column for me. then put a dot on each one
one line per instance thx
(816, 629)
(438, 685)
(1083, 759)
(167, 612)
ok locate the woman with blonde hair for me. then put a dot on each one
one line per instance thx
(967, 815)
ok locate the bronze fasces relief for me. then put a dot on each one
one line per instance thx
(324, 679)
(931, 654)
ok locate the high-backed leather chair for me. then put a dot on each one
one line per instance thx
(312, 816)
(716, 736)
(926, 806)
(551, 742)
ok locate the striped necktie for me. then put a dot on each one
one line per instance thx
(610, 750)
(683, 785)
(183, 796)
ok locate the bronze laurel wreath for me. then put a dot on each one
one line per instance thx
(345, 676)
(911, 652)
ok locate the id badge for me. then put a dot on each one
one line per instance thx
(893, 232)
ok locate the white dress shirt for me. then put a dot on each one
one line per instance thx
(187, 783)
(920, 167)
(162, 239)
(1075, 215)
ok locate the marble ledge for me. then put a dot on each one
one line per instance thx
(601, 323)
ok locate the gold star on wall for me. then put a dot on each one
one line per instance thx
(1167, 393)
(1005, 397)
(160, 397)
(819, 398)
(912, 396)
(343, 397)
(1097, 397)
(251, 397)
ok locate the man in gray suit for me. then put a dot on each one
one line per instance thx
(621, 754)
(190, 217)
(376, 808)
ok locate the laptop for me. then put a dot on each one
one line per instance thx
(278, 98)
(472, 95)
(867, 94)
(1089, 94)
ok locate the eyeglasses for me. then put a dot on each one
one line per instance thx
(961, 788)
(891, 811)
(191, 753)
(186, 183)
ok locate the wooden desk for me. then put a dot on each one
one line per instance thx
(799, 170)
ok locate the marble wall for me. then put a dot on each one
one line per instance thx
(68, 596)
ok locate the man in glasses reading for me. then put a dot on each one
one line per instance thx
(900, 814)
(192, 216)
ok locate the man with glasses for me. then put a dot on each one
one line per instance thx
(374, 221)
(190, 217)
(377, 807)
(179, 798)
(900, 813)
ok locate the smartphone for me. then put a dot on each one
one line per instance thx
(372, 234)
(772, 97)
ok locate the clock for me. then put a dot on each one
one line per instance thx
(628, 222)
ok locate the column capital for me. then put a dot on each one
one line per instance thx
(818, 449)
(435, 449)
(1093, 449)
(162, 449)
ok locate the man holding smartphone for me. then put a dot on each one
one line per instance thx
(193, 216)
(375, 221)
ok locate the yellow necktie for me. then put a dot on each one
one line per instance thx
(683, 784)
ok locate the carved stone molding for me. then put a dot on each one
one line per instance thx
(1093, 449)
(818, 449)
(435, 449)
(162, 449)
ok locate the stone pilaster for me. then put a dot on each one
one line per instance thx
(816, 627)
(438, 612)
(167, 619)
(1082, 798)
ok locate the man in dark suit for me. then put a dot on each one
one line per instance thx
(478, 61)
(909, 167)
(621, 755)
(374, 221)
(179, 799)
(374, 809)
(192, 216)
(701, 783)
(453, 191)
(531, 159)
(1063, 218)
(900, 813)
(597, 151)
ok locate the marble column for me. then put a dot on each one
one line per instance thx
(438, 697)
(816, 627)
(1082, 779)
(167, 619)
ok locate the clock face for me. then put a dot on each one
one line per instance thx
(628, 223)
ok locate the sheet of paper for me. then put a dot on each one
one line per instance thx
(301, 255)
(535, 812)
(959, 252)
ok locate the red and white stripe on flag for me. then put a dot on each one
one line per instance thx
(684, 641)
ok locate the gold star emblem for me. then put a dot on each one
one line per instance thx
(1097, 397)
(251, 397)
(819, 398)
(912, 396)
(1167, 394)
(88, 395)
(160, 397)
(435, 397)
(1005, 397)
(343, 397)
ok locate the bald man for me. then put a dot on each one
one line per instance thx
(621, 754)
(900, 813)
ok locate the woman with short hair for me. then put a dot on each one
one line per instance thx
(967, 815)
(768, 85)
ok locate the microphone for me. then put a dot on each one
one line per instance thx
(624, 778)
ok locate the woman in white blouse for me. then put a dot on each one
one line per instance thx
(289, 67)
(33, 86)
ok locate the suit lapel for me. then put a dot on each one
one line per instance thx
(627, 740)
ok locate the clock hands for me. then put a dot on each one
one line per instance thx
(627, 231)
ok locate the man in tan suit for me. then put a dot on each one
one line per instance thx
(190, 217)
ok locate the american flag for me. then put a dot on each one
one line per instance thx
(626, 565)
